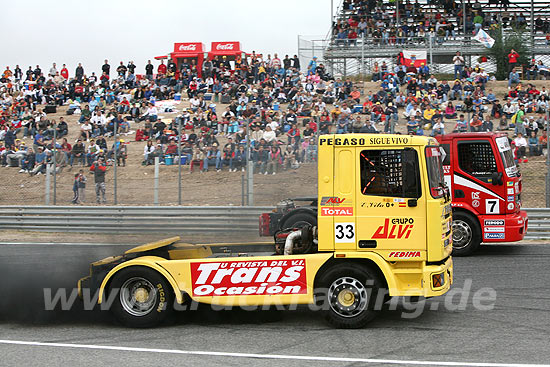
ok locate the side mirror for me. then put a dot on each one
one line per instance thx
(496, 178)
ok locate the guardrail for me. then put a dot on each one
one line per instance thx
(539, 224)
(132, 219)
(166, 219)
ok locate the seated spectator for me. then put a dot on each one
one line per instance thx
(476, 123)
(78, 152)
(450, 111)
(260, 158)
(197, 159)
(213, 157)
(513, 78)
(438, 127)
(86, 130)
(521, 145)
(534, 146)
(61, 129)
(228, 156)
(147, 150)
(461, 125)
(27, 164)
(274, 160)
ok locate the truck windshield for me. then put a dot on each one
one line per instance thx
(507, 156)
(436, 179)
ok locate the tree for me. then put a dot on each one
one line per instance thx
(514, 39)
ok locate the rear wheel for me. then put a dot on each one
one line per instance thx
(466, 234)
(143, 297)
(348, 293)
(299, 220)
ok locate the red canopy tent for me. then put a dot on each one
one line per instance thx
(229, 49)
(189, 51)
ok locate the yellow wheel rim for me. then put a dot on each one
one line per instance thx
(141, 295)
(346, 298)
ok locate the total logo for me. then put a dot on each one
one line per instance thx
(400, 228)
(191, 47)
(343, 211)
(226, 46)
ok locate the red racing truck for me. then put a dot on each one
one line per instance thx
(484, 181)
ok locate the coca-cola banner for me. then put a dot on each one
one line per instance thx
(191, 47)
(226, 47)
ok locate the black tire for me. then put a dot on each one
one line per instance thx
(299, 220)
(139, 282)
(347, 295)
(466, 234)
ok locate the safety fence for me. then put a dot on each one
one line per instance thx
(151, 219)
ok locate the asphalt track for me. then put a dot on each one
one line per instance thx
(512, 330)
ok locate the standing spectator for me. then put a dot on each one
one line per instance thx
(458, 61)
(99, 169)
(65, 72)
(162, 69)
(79, 72)
(53, 70)
(312, 66)
(75, 189)
(513, 57)
(296, 63)
(149, 70)
(17, 73)
(106, 68)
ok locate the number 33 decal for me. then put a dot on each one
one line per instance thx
(344, 232)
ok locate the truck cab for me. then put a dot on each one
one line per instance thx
(486, 186)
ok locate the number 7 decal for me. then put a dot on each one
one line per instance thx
(492, 206)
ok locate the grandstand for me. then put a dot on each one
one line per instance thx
(440, 27)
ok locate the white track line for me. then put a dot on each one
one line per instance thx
(270, 356)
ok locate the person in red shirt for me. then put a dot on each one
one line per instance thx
(162, 68)
(352, 37)
(65, 72)
(513, 57)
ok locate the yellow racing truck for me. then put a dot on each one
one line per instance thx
(385, 232)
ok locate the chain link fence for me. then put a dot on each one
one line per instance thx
(160, 184)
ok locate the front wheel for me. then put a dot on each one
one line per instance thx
(142, 297)
(466, 234)
(348, 295)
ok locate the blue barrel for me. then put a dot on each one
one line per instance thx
(168, 160)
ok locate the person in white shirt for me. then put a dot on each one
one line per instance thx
(195, 103)
(509, 109)
(98, 122)
(521, 144)
(150, 114)
(458, 61)
(269, 134)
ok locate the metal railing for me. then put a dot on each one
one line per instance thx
(151, 219)
(132, 219)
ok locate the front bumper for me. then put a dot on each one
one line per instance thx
(504, 228)
(444, 272)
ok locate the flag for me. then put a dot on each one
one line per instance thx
(484, 38)
(415, 58)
